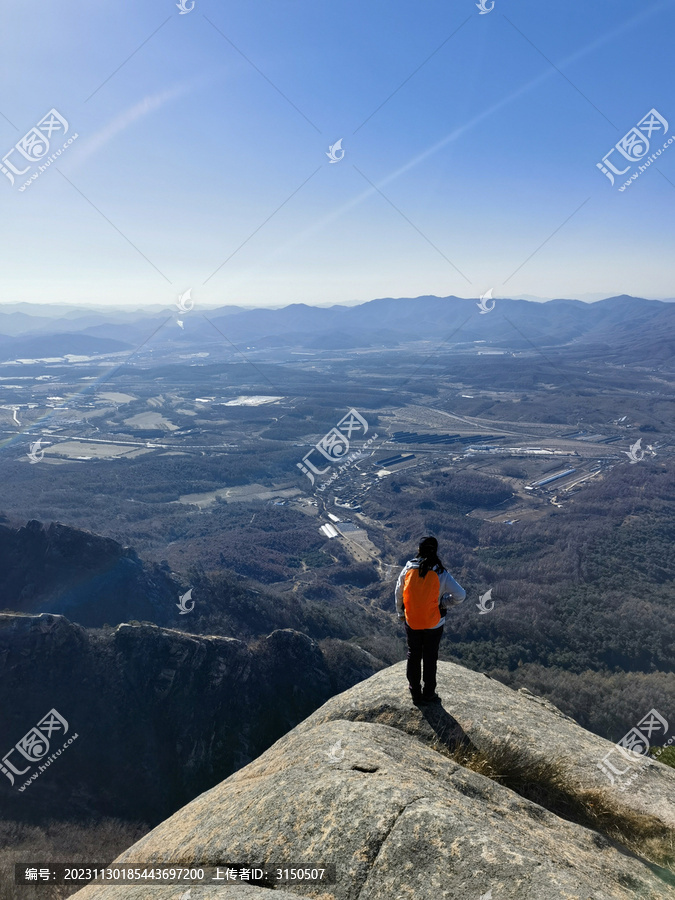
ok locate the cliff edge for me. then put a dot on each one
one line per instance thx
(493, 793)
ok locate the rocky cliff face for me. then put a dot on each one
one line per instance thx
(368, 782)
(91, 579)
(160, 715)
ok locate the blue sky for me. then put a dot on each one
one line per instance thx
(202, 161)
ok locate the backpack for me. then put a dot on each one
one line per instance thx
(421, 599)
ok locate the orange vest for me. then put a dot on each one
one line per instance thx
(420, 599)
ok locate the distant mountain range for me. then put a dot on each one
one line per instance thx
(622, 326)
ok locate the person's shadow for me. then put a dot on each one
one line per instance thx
(447, 729)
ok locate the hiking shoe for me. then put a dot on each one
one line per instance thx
(433, 699)
(416, 696)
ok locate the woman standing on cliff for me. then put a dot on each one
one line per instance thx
(422, 583)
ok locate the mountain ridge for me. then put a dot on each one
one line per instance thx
(559, 320)
(92, 579)
(161, 714)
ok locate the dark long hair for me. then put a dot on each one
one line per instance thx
(427, 552)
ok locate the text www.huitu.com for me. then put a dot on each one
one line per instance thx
(48, 761)
(646, 165)
(50, 159)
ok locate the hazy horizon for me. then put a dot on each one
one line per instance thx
(63, 304)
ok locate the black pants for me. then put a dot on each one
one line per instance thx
(423, 644)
